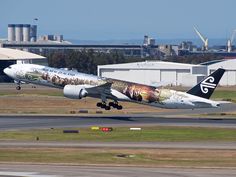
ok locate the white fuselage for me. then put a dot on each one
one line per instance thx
(58, 78)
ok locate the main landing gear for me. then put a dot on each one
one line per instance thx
(103, 105)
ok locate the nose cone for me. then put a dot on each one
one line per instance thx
(6, 71)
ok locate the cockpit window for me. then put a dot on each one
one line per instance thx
(9, 67)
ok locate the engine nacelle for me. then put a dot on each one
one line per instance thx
(75, 91)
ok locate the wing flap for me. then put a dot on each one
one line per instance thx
(104, 89)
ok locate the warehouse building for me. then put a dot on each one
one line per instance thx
(155, 73)
(229, 77)
(169, 73)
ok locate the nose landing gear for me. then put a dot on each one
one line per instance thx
(18, 87)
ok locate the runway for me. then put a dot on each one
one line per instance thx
(39, 122)
(8, 170)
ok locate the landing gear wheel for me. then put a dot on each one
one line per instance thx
(99, 104)
(18, 87)
(103, 105)
(119, 107)
(107, 108)
(111, 104)
(115, 105)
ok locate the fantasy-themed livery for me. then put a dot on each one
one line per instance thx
(77, 85)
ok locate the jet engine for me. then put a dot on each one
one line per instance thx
(75, 91)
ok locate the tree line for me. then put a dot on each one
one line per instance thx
(193, 59)
(86, 61)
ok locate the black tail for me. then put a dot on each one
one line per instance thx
(206, 87)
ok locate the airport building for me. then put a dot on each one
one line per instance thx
(229, 77)
(168, 73)
(155, 73)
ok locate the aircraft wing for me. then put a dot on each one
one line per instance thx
(104, 89)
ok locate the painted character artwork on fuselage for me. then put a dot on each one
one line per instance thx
(57, 77)
(60, 78)
(136, 92)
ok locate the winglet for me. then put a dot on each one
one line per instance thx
(206, 87)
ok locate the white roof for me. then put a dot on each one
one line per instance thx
(13, 54)
(229, 64)
(151, 65)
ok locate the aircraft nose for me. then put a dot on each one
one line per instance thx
(6, 71)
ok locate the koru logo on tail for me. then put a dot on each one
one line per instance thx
(207, 83)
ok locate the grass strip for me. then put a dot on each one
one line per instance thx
(123, 134)
(147, 157)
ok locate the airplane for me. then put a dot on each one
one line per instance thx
(77, 85)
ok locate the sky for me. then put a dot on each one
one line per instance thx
(122, 19)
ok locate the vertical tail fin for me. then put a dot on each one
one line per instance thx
(206, 87)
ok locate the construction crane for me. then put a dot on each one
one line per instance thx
(230, 41)
(204, 40)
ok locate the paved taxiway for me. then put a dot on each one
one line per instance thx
(92, 171)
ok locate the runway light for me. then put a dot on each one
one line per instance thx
(135, 129)
(95, 128)
(106, 129)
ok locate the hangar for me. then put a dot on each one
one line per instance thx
(12, 56)
(159, 72)
(155, 73)
(229, 77)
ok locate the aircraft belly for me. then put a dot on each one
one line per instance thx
(202, 105)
